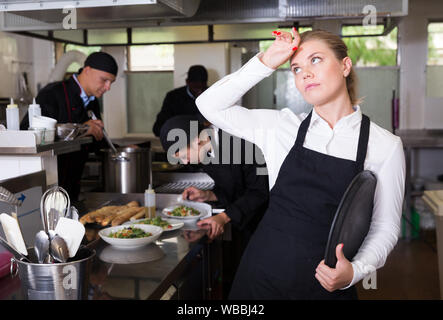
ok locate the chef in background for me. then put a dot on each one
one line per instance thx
(69, 101)
(181, 101)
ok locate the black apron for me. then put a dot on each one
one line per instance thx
(290, 241)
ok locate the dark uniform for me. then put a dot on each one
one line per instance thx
(62, 101)
(177, 102)
(244, 195)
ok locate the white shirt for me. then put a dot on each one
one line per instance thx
(275, 131)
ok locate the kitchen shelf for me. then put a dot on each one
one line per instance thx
(56, 148)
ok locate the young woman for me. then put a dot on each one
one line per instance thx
(311, 160)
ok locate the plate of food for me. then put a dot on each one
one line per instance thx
(130, 236)
(182, 212)
(165, 224)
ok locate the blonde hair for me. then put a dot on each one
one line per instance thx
(336, 44)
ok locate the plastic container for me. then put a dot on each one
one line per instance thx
(150, 202)
(43, 122)
(12, 116)
(39, 134)
(33, 110)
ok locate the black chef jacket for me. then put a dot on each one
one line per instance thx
(244, 196)
(61, 101)
(177, 102)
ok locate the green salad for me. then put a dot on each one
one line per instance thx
(183, 211)
(130, 233)
(157, 221)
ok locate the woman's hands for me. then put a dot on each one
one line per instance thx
(282, 49)
(198, 195)
(332, 279)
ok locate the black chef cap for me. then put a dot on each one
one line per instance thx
(101, 61)
(197, 73)
(182, 122)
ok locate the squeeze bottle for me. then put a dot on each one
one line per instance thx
(12, 117)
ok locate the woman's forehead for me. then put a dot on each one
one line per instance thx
(308, 49)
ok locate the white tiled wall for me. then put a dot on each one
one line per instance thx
(24, 54)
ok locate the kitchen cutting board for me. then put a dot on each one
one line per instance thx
(353, 217)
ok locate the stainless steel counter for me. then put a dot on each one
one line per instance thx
(157, 271)
(56, 148)
(421, 138)
(413, 140)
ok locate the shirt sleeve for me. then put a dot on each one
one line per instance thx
(385, 224)
(218, 103)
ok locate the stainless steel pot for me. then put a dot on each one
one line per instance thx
(128, 170)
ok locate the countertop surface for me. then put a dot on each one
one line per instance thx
(144, 273)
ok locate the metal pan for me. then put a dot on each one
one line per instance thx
(353, 217)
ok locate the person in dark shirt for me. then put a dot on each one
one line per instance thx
(69, 102)
(181, 101)
(241, 182)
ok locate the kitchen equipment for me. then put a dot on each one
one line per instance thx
(128, 170)
(58, 281)
(43, 122)
(72, 232)
(69, 131)
(13, 234)
(12, 116)
(74, 214)
(93, 117)
(131, 243)
(59, 249)
(33, 110)
(352, 218)
(8, 197)
(55, 203)
(18, 255)
(41, 246)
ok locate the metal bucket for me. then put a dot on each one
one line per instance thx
(127, 171)
(58, 281)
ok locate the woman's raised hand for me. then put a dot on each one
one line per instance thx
(282, 49)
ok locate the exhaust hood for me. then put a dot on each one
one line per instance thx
(127, 22)
(21, 15)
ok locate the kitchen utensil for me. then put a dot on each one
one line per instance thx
(18, 255)
(8, 197)
(72, 232)
(13, 234)
(57, 281)
(352, 218)
(41, 246)
(74, 215)
(131, 243)
(54, 204)
(59, 249)
(69, 131)
(105, 135)
(128, 170)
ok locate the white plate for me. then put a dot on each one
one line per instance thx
(174, 225)
(131, 243)
(204, 209)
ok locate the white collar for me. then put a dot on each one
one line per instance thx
(348, 121)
